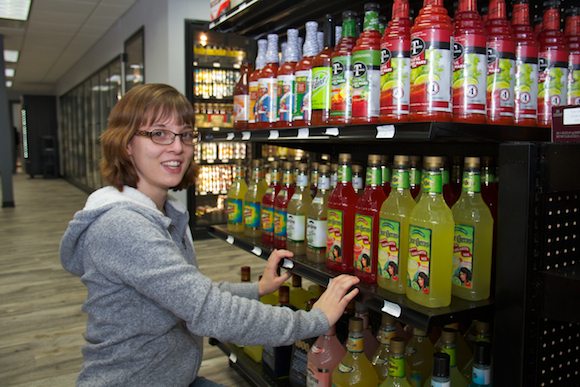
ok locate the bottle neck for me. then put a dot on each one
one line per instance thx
(375, 178)
(400, 179)
(467, 6)
(572, 27)
(521, 14)
(471, 181)
(497, 10)
(432, 181)
(349, 28)
(371, 22)
(344, 173)
(239, 172)
(275, 179)
(400, 9)
(387, 333)
(355, 343)
(450, 350)
(552, 19)
(288, 178)
(302, 180)
(397, 366)
(323, 183)
(256, 174)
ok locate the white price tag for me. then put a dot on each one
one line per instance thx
(230, 239)
(230, 136)
(243, 6)
(233, 357)
(303, 133)
(332, 132)
(386, 131)
(392, 309)
(571, 116)
(329, 281)
(246, 135)
(257, 251)
(274, 134)
(287, 264)
(222, 18)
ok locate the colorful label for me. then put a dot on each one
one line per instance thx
(344, 369)
(395, 77)
(303, 95)
(397, 367)
(452, 355)
(241, 107)
(526, 83)
(286, 84)
(385, 175)
(389, 245)
(235, 211)
(400, 179)
(415, 379)
(321, 88)
(341, 89)
(299, 362)
(463, 256)
(355, 344)
(432, 182)
(357, 182)
(334, 235)
(418, 264)
(318, 377)
(440, 384)
(552, 82)
(414, 176)
(469, 74)
(344, 173)
(267, 220)
(366, 83)
(316, 234)
(471, 182)
(280, 223)
(573, 79)
(296, 228)
(501, 72)
(253, 89)
(267, 108)
(252, 215)
(387, 335)
(481, 377)
(363, 231)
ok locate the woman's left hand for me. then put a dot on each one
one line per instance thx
(271, 281)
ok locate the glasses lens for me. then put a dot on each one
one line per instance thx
(190, 138)
(161, 137)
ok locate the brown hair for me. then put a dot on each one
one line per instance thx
(143, 105)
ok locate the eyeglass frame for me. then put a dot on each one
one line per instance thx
(195, 140)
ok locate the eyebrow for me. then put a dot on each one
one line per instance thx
(163, 126)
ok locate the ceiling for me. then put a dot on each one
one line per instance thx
(55, 36)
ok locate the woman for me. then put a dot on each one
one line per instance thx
(148, 304)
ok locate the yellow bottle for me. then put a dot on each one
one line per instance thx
(472, 249)
(298, 212)
(299, 297)
(397, 376)
(448, 339)
(316, 222)
(418, 354)
(431, 230)
(354, 369)
(236, 195)
(394, 230)
(461, 347)
(253, 202)
(380, 361)
(263, 182)
(313, 179)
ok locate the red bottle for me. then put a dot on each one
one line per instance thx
(448, 195)
(268, 87)
(414, 175)
(287, 80)
(385, 175)
(267, 210)
(281, 206)
(572, 34)
(303, 89)
(321, 76)
(253, 84)
(242, 97)
(538, 25)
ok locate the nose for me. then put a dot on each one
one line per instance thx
(177, 145)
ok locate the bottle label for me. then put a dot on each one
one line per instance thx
(376, 360)
(431, 72)
(526, 83)
(241, 107)
(463, 255)
(253, 89)
(333, 180)
(357, 182)
(344, 173)
(341, 93)
(316, 234)
(267, 109)
(317, 377)
(355, 344)
(395, 77)
(366, 83)
(375, 176)
(432, 182)
(418, 264)
(552, 82)
(363, 231)
(296, 228)
(302, 180)
(235, 211)
(299, 362)
(321, 88)
(280, 226)
(286, 84)
(334, 235)
(389, 245)
(303, 95)
(471, 182)
(324, 183)
(440, 384)
(267, 220)
(387, 334)
(414, 177)
(400, 179)
(397, 367)
(385, 175)
(415, 379)
(481, 377)
(574, 79)
(501, 72)
(452, 352)
(469, 74)
(344, 369)
(252, 215)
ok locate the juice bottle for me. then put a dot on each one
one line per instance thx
(242, 97)
(267, 210)
(303, 87)
(357, 179)
(321, 76)
(431, 64)
(397, 373)
(340, 219)
(396, 65)
(440, 376)
(323, 358)
(431, 230)
(333, 175)
(394, 230)
(299, 297)
(479, 332)
(263, 183)
(414, 175)
(526, 83)
(281, 206)
(366, 76)
(386, 175)
(538, 24)
(448, 195)
(287, 80)
(253, 203)
(253, 83)
(380, 360)
(316, 223)
(572, 34)
(371, 342)
(481, 365)
(313, 179)
(354, 369)
(276, 360)
(418, 355)
(341, 59)
(366, 224)
(448, 339)
(469, 65)
(552, 64)
(298, 212)
(472, 249)
(236, 194)
(268, 87)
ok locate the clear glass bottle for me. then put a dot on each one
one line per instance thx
(418, 354)
(448, 339)
(482, 365)
(316, 224)
(397, 376)
(298, 212)
(440, 376)
(380, 360)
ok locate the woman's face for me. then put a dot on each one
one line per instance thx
(391, 270)
(421, 281)
(462, 276)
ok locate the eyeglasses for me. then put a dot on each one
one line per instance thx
(166, 137)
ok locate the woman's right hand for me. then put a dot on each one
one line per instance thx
(335, 298)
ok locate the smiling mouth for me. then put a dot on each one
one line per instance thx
(172, 164)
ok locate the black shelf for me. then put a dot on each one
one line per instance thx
(213, 99)
(556, 287)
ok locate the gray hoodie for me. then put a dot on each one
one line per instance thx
(148, 304)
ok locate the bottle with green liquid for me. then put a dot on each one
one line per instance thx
(297, 213)
(448, 339)
(253, 202)
(397, 372)
(418, 355)
(236, 195)
(380, 360)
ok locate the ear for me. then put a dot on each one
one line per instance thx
(130, 147)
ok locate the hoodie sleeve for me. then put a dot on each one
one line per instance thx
(130, 248)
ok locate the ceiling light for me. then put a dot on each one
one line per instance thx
(11, 55)
(8, 83)
(9, 72)
(15, 9)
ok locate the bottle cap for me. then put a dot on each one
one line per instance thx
(401, 160)
(292, 54)
(482, 353)
(246, 276)
(323, 168)
(574, 11)
(448, 336)
(370, 7)
(441, 365)
(261, 58)
(274, 165)
(287, 165)
(239, 163)
(311, 41)
(314, 166)
(414, 160)
(348, 14)
(374, 159)
(357, 168)
(303, 167)
(296, 281)
(355, 324)
(344, 158)
(334, 167)
(397, 345)
(471, 162)
(256, 163)
(284, 295)
(272, 52)
(482, 326)
(387, 319)
(432, 161)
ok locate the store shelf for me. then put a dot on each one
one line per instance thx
(556, 287)
(371, 295)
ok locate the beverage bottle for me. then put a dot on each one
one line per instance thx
(431, 230)
(394, 230)
(299, 297)
(386, 175)
(298, 212)
(333, 175)
(526, 83)
(267, 210)
(366, 76)
(242, 97)
(236, 194)
(463, 352)
(440, 376)
(447, 340)
(281, 206)
(371, 342)
(313, 179)
(482, 365)
(479, 331)
(276, 360)
(501, 66)
(489, 192)
(431, 64)
(303, 87)
(321, 76)
(253, 83)
(418, 355)
(414, 175)
(538, 24)
(357, 179)
(341, 60)
(316, 223)
(287, 81)
(469, 65)
(269, 299)
(355, 368)
(263, 183)
(380, 360)
(447, 192)
(366, 224)
(456, 177)
(340, 219)
(572, 34)
(283, 49)
(552, 64)
(397, 375)
(323, 358)
(268, 87)
(253, 203)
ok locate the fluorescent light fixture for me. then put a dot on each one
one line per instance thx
(11, 55)
(15, 9)
(9, 72)
(8, 83)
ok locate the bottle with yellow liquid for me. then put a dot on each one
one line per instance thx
(397, 376)
(418, 354)
(263, 182)
(299, 297)
(355, 369)
(316, 221)
(313, 179)
(431, 230)
(461, 348)
(253, 202)
(236, 195)
(472, 250)
(297, 213)
(448, 339)
(394, 229)
(380, 360)
(481, 333)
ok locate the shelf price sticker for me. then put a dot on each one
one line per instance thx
(392, 309)
(233, 358)
(230, 136)
(230, 239)
(274, 134)
(257, 251)
(386, 131)
(572, 116)
(246, 135)
(287, 264)
(332, 132)
(303, 133)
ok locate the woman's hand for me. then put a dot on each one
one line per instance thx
(271, 281)
(335, 299)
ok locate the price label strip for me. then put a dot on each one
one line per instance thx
(257, 251)
(303, 133)
(392, 309)
(230, 136)
(274, 134)
(386, 131)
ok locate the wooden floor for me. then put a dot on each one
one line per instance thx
(41, 322)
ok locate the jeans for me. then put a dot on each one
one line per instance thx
(203, 382)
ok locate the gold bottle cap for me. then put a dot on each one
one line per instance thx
(375, 159)
(397, 345)
(401, 160)
(357, 168)
(334, 167)
(482, 326)
(314, 166)
(296, 281)
(432, 162)
(246, 276)
(287, 165)
(384, 159)
(387, 319)
(344, 158)
(355, 324)
(303, 167)
(323, 168)
(414, 160)
(284, 295)
(448, 336)
(256, 163)
(274, 165)
(471, 162)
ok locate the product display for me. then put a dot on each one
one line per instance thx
(297, 212)
(236, 195)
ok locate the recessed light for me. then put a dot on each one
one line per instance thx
(8, 83)
(15, 9)
(11, 55)
(9, 72)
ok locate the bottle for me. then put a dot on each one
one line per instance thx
(303, 86)
(341, 60)
(448, 195)
(394, 230)
(242, 97)
(366, 76)
(354, 368)
(397, 375)
(479, 331)
(463, 352)
(482, 365)
(323, 358)
(313, 179)
(299, 297)
(298, 212)
(572, 34)
(253, 203)
(538, 24)
(281, 206)
(333, 175)
(472, 249)
(236, 195)
(287, 81)
(380, 360)
(276, 360)
(501, 66)
(431, 64)
(469, 65)
(526, 82)
(371, 342)
(414, 175)
(340, 219)
(386, 175)
(396, 65)
(366, 224)
(263, 183)
(267, 211)
(552, 64)
(431, 230)
(448, 339)
(418, 355)
(440, 376)
(316, 223)
(253, 84)
(268, 87)
(489, 192)
(321, 76)
(456, 180)
(357, 179)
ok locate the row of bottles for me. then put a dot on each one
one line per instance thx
(223, 151)
(214, 83)
(214, 179)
